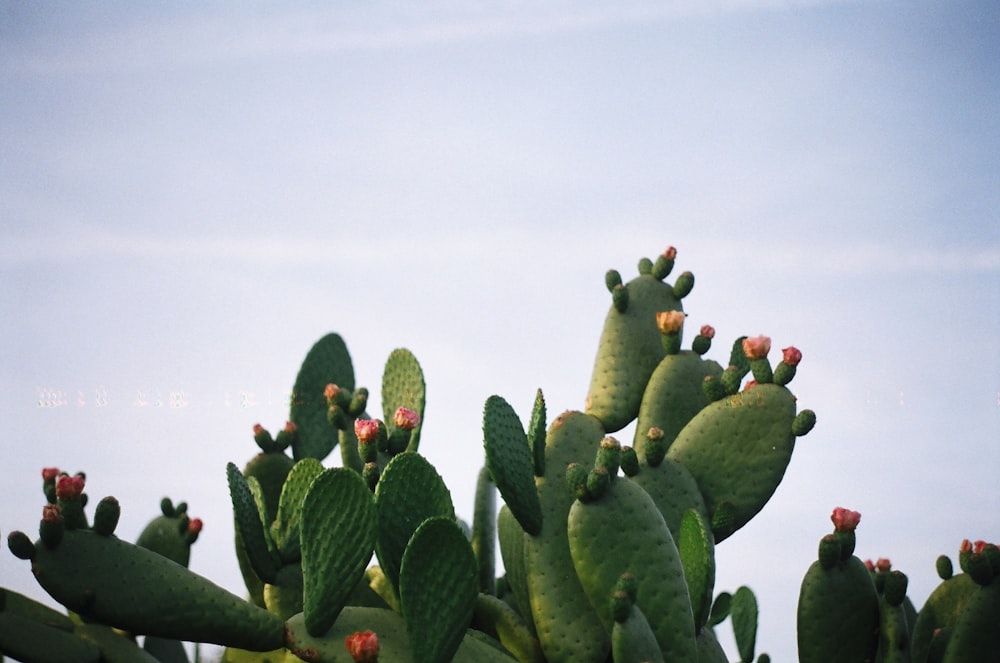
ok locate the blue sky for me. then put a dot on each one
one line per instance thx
(190, 197)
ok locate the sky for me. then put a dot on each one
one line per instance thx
(191, 196)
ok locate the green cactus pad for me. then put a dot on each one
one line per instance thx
(696, 546)
(285, 527)
(118, 648)
(270, 470)
(338, 538)
(633, 641)
(484, 531)
(674, 491)
(568, 628)
(403, 386)
(107, 580)
(940, 611)
(409, 492)
(893, 633)
(975, 636)
(629, 351)
(744, 614)
(738, 448)
(284, 597)
(438, 586)
(166, 534)
(26, 639)
(673, 396)
(250, 528)
(624, 532)
(709, 649)
(511, 537)
(837, 617)
(327, 362)
(536, 432)
(510, 461)
(500, 620)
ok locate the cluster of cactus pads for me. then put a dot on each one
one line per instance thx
(607, 548)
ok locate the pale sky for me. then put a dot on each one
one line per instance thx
(190, 197)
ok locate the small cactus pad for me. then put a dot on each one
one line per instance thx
(253, 538)
(338, 539)
(624, 532)
(403, 386)
(744, 613)
(285, 528)
(510, 461)
(327, 362)
(629, 351)
(738, 448)
(409, 492)
(438, 585)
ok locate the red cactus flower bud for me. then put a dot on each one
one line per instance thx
(845, 520)
(749, 384)
(406, 419)
(670, 253)
(331, 391)
(290, 427)
(50, 473)
(362, 646)
(708, 331)
(756, 347)
(670, 322)
(965, 547)
(69, 488)
(366, 430)
(194, 527)
(257, 430)
(870, 565)
(51, 513)
(791, 355)
(883, 564)
(978, 547)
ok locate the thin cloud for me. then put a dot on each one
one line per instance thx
(224, 37)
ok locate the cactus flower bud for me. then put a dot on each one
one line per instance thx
(366, 430)
(870, 565)
(363, 646)
(406, 419)
(69, 488)
(195, 526)
(791, 355)
(331, 392)
(670, 322)
(756, 347)
(708, 331)
(670, 253)
(50, 473)
(51, 513)
(883, 565)
(845, 520)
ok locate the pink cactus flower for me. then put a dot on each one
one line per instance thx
(708, 331)
(670, 253)
(194, 527)
(258, 430)
(979, 546)
(51, 513)
(331, 391)
(69, 488)
(362, 646)
(883, 565)
(845, 520)
(965, 547)
(870, 565)
(750, 384)
(50, 473)
(406, 419)
(366, 430)
(756, 347)
(670, 322)
(791, 355)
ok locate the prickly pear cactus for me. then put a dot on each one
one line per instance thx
(608, 549)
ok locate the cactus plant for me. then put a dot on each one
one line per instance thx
(608, 549)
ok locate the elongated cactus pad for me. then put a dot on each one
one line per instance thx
(629, 351)
(122, 585)
(338, 539)
(623, 531)
(403, 386)
(438, 585)
(509, 458)
(409, 492)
